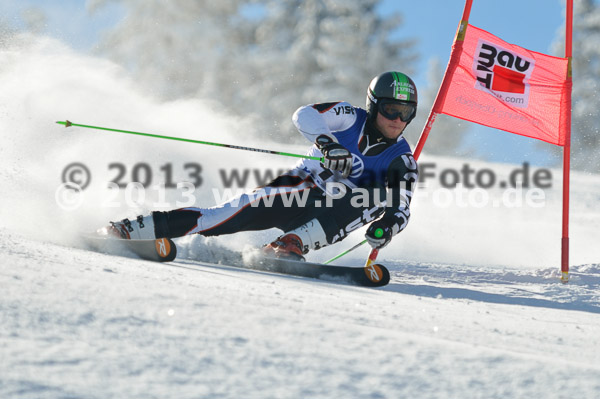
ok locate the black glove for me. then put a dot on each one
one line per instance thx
(379, 234)
(337, 157)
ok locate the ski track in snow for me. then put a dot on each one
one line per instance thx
(80, 324)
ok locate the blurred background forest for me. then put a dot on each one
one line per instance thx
(262, 59)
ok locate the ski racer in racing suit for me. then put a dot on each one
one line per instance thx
(367, 176)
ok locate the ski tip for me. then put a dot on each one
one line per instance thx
(66, 123)
(158, 250)
(165, 249)
(377, 275)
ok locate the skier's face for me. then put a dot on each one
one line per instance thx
(391, 129)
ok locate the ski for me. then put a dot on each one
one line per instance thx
(159, 250)
(375, 275)
(165, 250)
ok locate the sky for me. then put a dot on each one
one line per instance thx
(533, 24)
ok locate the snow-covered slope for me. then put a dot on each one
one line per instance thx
(474, 309)
(86, 325)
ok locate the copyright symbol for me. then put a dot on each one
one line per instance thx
(78, 174)
(68, 196)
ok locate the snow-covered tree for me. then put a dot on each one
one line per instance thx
(263, 57)
(176, 47)
(7, 33)
(585, 138)
(324, 50)
(35, 19)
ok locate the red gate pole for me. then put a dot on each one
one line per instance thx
(443, 90)
(567, 147)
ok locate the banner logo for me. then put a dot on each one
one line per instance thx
(503, 73)
(402, 90)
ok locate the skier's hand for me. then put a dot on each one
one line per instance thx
(336, 156)
(379, 234)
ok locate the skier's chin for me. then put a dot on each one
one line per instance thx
(393, 132)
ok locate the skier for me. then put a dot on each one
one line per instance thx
(367, 176)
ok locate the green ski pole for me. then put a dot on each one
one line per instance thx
(378, 234)
(236, 147)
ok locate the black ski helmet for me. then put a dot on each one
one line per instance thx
(391, 85)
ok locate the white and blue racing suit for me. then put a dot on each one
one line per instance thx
(380, 186)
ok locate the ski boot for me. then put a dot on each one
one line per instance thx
(171, 224)
(140, 229)
(288, 246)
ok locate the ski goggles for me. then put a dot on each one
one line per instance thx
(392, 109)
